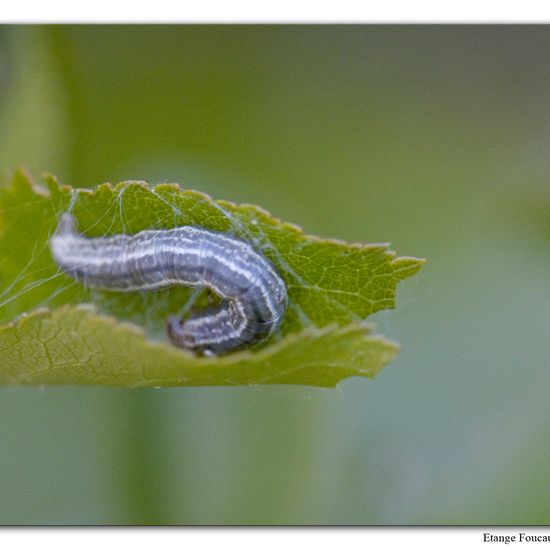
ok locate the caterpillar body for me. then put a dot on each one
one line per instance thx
(253, 295)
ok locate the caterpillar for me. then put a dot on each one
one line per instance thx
(253, 296)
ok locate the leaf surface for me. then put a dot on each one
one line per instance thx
(75, 345)
(333, 286)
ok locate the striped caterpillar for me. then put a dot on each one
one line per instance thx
(253, 296)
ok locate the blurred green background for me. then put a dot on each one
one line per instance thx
(435, 138)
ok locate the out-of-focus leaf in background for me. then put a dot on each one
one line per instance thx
(424, 136)
(32, 103)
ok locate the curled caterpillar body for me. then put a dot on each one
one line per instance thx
(253, 295)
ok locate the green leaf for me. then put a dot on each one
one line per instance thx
(75, 345)
(332, 287)
(30, 81)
